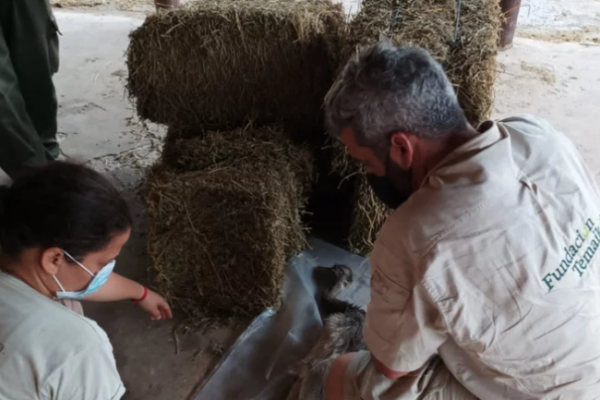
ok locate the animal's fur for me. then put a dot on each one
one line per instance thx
(342, 333)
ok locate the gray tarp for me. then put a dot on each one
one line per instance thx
(256, 365)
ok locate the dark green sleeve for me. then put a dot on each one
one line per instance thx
(28, 106)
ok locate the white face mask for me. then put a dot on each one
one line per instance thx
(98, 280)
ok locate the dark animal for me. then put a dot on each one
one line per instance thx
(342, 333)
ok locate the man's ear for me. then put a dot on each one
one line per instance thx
(51, 259)
(402, 150)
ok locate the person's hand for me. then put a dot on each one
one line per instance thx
(156, 306)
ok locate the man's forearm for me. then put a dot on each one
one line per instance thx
(117, 288)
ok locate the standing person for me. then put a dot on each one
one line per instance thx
(62, 227)
(28, 106)
(485, 278)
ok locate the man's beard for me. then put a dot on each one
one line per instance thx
(394, 188)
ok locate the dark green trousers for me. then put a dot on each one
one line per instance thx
(28, 106)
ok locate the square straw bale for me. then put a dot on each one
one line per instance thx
(224, 216)
(218, 64)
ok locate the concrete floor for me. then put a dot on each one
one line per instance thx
(557, 81)
(555, 78)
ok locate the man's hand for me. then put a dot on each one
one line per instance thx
(156, 306)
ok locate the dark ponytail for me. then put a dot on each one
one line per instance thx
(63, 205)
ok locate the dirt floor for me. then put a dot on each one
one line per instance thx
(551, 71)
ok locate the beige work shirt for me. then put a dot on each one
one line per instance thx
(492, 265)
(48, 352)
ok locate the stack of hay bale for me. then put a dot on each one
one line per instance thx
(241, 85)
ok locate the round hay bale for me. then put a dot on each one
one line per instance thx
(224, 216)
(219, 64)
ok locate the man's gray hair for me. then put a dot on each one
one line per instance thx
(387, 89)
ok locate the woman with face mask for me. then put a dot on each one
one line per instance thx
(62, 227)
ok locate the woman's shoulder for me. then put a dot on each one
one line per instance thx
(31, 314)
